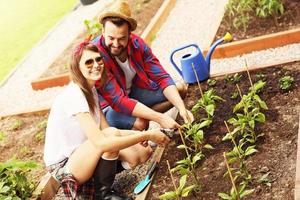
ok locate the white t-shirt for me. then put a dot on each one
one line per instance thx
(64, 134)
(128, 71)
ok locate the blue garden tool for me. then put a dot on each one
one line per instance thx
(201, 65)
(143, 184)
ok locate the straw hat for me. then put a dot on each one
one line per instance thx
(119, 9)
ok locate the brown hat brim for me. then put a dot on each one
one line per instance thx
(131, 21)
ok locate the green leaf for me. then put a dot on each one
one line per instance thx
(182, 182)
(260, 117)
(185, 192)
(210, 109)
(182, 146)
(168, 195)
(246, 192)
(250, 150)
(224, 196)
(205, 123)
(208, 146)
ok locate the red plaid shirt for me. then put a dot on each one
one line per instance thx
(149, 74)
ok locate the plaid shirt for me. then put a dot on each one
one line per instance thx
(149, 74)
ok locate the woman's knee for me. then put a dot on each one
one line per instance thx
(110, 155)
(140, 156)
(140, 124)
(182, 89)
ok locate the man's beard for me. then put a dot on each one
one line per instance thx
(120, 51)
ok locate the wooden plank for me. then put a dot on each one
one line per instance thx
(156, 157)
(297, 181)
(256, 44)
(47, 188)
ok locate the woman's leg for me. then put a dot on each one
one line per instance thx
(84, 159)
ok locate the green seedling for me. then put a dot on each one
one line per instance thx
(2, 136)
(264, 179)
(40, 136)
(181, 191)
(93, 27)
(286, 82)
(261, 76)
(16, 125)
(211, 82)
(14, 179)
(42, 124)
(235, 78)
(234, 95)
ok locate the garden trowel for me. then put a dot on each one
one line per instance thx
(143, 184)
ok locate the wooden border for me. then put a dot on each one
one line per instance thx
(255, 44)
(297, 181)
(148, 35)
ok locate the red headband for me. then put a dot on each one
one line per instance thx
(79, 48)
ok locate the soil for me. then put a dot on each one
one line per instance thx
(141, 10)
(277, 148)
(258, 26)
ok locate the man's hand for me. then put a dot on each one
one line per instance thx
(186, 115)
(168, 122)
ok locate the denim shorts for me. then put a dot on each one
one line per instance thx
(144, 96)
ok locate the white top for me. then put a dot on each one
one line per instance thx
(129, 73)
(64, 134)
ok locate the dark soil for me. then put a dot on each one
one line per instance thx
(277, 149)
(141, 10)
(257, 26)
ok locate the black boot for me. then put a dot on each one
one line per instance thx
(104, 177)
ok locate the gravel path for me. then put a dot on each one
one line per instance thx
(192, 21)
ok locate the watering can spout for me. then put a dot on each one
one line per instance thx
(226, 38)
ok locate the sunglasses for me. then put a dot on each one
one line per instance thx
(90, 62)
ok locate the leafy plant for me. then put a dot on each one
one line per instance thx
(267, 8)
(93, 27)
(42, 124)
(211, 82)
(286, 82)
(235, 78)
(261, 76)
(264, 179)
(40, 136)
(234, 95)
(14, 182)
(16, 125)
(181, 191)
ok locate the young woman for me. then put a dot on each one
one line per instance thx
(81, 150)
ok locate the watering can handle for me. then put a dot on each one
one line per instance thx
(178, 49)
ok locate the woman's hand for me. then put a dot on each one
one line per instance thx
(158, 137)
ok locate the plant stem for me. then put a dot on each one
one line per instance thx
(183, 142)
(196, 75)
(172, 178)
(246, 66)
(230, 175)
(239, 90)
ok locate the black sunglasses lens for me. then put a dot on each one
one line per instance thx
(89, 62)
(98, 59)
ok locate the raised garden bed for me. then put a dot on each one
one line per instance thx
(261, 33)
(277, 149)
(150, 15)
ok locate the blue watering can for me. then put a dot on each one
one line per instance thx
(195, 63)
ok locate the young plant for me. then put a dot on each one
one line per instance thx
(207, 103)
(181, 191)
(272, 8)
(16, 125)
(93, 27)
(286, 82)
(211, 82)
(235, 193)
(234, 95)
(14, 182)
(42, 124)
